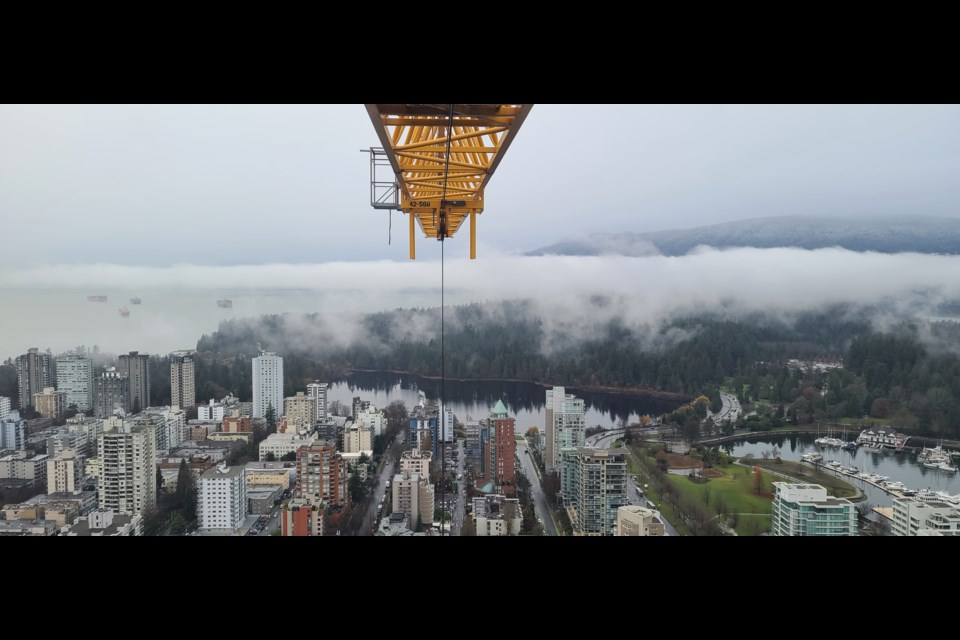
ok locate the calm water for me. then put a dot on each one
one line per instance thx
(166, 320)
(473, 400)
(902, 467)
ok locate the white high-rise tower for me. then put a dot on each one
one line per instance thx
(267, 384)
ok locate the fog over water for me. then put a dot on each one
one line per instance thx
(47, 307)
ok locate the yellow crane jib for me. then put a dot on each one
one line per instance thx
(440, 157)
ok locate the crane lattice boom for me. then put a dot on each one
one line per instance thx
(436, 186)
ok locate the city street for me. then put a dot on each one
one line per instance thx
(370, 519)
(539, 500)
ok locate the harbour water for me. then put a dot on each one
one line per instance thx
(166, 319)
(473, 400)
(898, 466)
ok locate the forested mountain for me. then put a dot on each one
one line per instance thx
(922, 234)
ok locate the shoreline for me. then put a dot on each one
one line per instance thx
(642, 392)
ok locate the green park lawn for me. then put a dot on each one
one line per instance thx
(737, 489)
(835, 486)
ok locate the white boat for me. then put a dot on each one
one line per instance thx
(896, 485)
(946, 466)
(812, 458)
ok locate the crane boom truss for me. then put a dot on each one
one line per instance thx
(438, 191)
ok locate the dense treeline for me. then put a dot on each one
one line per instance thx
(510, 341)
(908, 374)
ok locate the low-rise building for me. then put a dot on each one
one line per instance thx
(21, 467)
(633, 520)
(13, 432)
(262, 498)
(224, 436)
(213, 411)
(373, 418)
(237, 424)
(105, 523)
(807, 510)
(281, 444)
(50, 403)
(65, 472)
(22, 511)
(497, 515)
(416, 461)
(170, 469)
(396, 525)
(352, 460)
(25, 528)
(413, 495)
(85, 501)
(87, 431)
(216, 451)
(913, 517)
(357, 438)
(269, 473)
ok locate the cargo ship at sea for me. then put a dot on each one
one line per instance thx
(135, 300)
(96, 298)
(225, 303)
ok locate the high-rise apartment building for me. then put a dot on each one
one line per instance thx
(564, 425)
(35, 371)
(321, 474)
(222, 498)
(128, 467)
(502, 450)
(110, 393)
(183, 386)
(4, 407)
(75, 378)
(599, 489)
(267, 384)
(136, 367)
(317, 392)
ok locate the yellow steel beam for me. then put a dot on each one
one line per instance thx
(432, 183)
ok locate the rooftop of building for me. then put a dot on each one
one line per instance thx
(82, 526)
(222, 471)
(20, 455)
(601, 453)
(640, 511)
(263, 490)
(12, 525)
(270, 466)
(58, 496)
(416, 454)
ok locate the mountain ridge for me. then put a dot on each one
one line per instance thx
(888, 234)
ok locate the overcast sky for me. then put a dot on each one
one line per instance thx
(229, 185)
